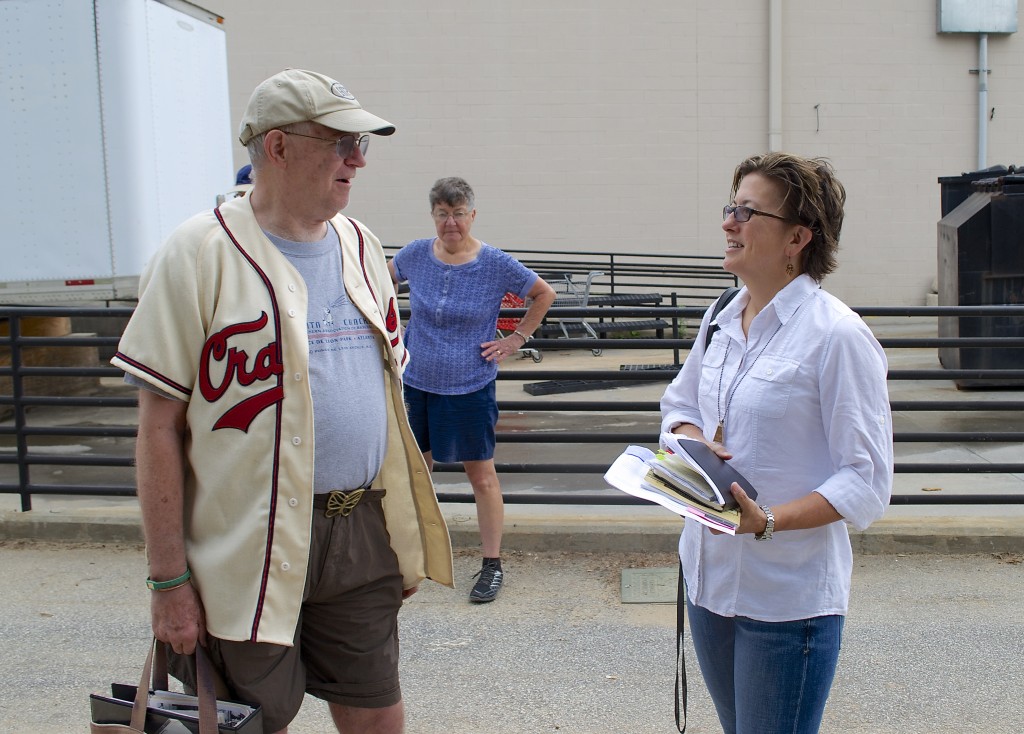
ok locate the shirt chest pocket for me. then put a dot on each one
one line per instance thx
(768, 387)
(711, 367)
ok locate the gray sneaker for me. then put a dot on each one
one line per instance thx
(488, 585)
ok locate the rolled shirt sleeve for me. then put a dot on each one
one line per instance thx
(858, 423)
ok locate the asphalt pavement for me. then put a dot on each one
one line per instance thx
(932, 645)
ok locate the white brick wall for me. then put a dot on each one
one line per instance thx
(604, 125)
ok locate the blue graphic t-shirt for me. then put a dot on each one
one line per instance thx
(455, 310)
(346, 371)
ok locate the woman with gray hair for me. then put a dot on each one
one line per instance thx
(456, 284)
(792, 391)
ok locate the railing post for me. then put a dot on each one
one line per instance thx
(17, 393)
(675, 327)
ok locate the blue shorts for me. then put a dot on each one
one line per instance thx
(454, 427)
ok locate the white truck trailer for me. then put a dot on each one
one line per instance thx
(116, 127)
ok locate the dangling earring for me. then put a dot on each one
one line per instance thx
(789, 269)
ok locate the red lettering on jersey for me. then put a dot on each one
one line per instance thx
(266, 365)
(242, 415)
(391, 320)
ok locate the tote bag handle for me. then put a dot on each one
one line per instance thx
(155, 671)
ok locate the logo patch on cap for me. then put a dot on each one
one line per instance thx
(339, 91)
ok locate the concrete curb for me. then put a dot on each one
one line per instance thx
(950, 535)
(540, 528)
(70, 528)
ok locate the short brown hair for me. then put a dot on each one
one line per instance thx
(812, 195)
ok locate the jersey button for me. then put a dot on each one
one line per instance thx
(293, 502)
(296, 440)
(286, 566)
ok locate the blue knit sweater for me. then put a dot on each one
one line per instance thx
(454, 311)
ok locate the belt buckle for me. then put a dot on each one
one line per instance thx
(341, 503)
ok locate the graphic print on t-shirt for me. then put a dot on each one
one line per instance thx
(341, 327)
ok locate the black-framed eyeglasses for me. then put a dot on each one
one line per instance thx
(345, 145)
(744, 213)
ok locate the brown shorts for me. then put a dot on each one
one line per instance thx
(346, 643)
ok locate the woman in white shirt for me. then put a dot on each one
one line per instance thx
(792, 390)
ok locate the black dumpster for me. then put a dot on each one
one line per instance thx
(954, 189)
(981, 263)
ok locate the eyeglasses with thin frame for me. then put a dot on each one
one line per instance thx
(744, 213)
(443, 216)
(345, 145)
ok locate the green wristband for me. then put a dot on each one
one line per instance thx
(168, 585)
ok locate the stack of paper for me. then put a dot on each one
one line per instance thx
(686, 477)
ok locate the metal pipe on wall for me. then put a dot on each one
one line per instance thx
(774, 75)
(982, 100)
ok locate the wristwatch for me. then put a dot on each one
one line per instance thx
(769, 527)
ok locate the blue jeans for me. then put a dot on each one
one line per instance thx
(767, 677)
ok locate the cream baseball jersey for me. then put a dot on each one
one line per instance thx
(221, 323)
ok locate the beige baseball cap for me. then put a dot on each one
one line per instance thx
(296, 95)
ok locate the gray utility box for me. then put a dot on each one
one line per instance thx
(981, 263)
(976, 16)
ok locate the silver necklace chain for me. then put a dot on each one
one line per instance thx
(736, 383)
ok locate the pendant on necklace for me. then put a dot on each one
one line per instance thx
(719, 433)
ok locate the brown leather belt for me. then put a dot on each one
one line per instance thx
(340, 502)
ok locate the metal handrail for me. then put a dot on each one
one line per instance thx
(25, 457)
(702, 274)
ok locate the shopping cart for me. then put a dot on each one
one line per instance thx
(508, 324)
(574, 294)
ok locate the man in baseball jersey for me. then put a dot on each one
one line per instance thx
(286, 506)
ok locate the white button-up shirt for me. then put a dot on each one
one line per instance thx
(805, 407)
